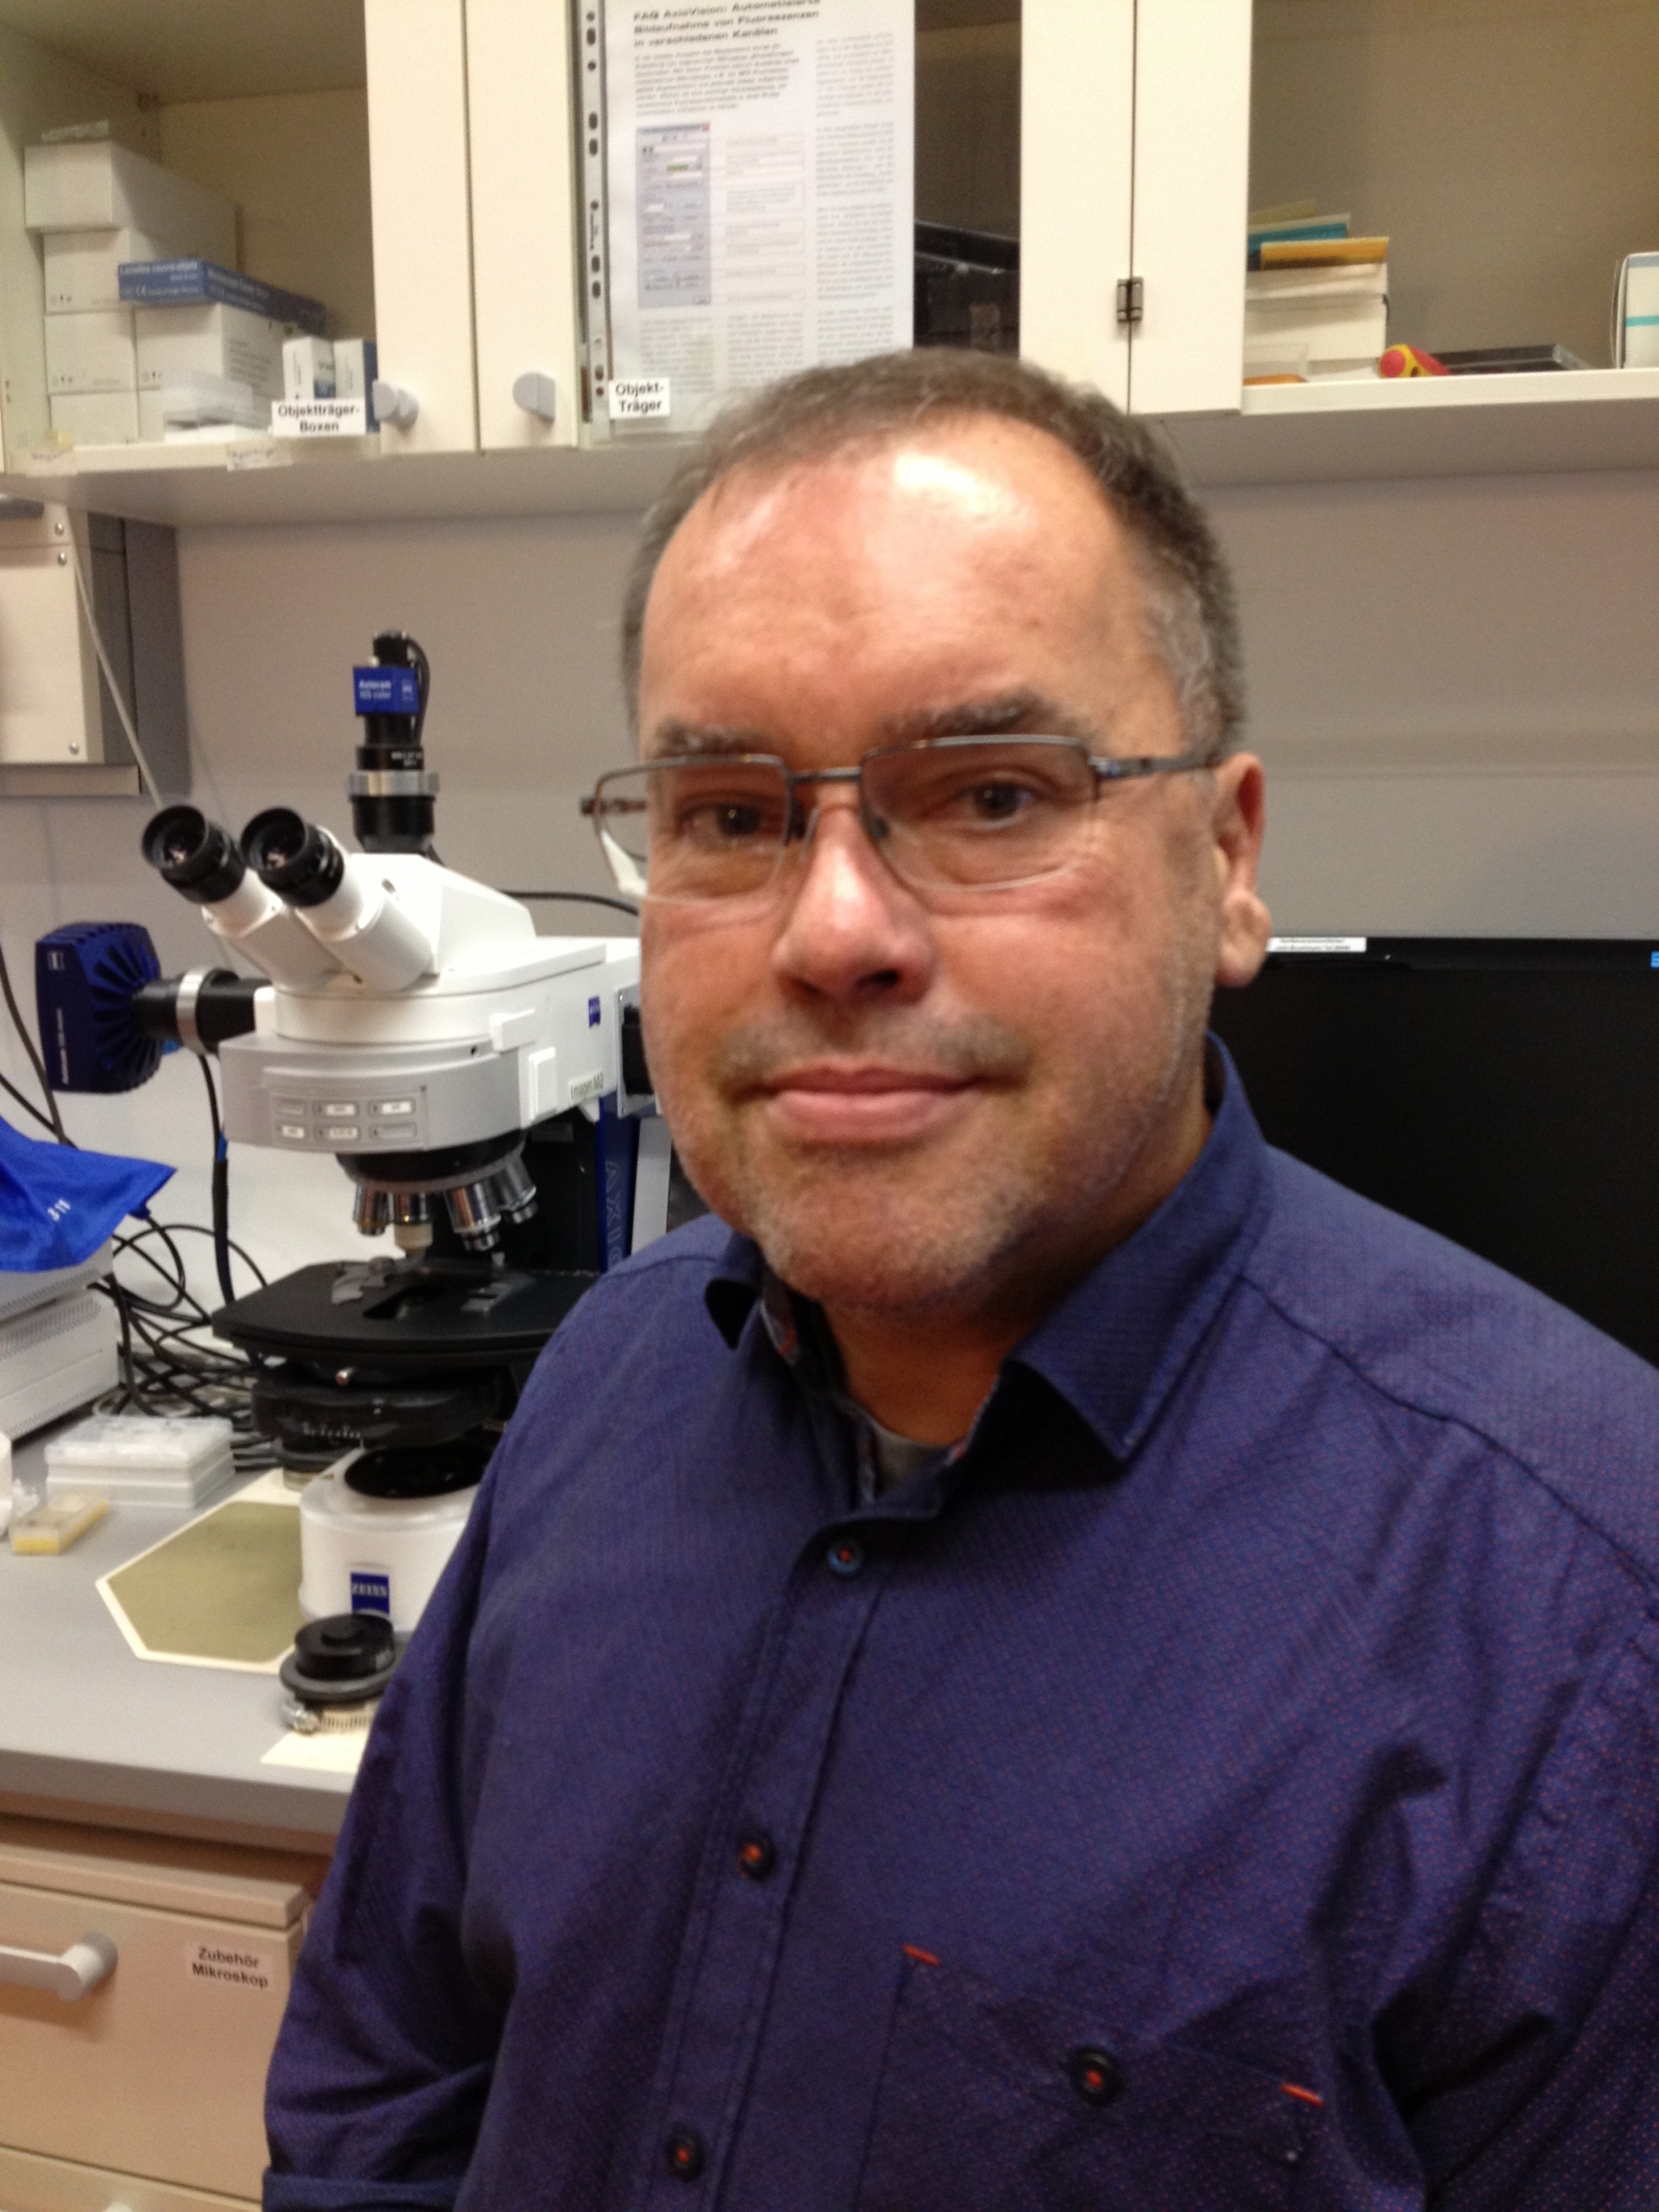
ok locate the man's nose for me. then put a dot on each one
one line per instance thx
(850, 929)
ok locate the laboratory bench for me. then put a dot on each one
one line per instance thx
(89, 1731)
(156, 1882)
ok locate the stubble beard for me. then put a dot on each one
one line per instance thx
(933, 1229)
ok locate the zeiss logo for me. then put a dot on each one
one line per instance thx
(592, 1013)
(370, 1593)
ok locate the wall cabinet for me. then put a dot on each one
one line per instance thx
(418, 163)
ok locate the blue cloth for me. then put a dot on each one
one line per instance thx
(1231, 1783)
(58, 1205)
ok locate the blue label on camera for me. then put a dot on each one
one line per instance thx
(370, 1593)
(592, 1013)
(385, 690)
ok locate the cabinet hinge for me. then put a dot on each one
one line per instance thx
(1131, 299)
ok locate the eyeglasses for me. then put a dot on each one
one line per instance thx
(974, 814)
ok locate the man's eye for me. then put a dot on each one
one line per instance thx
(722, 822)
(997, 802)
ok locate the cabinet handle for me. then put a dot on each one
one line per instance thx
(68, 1974)
(536, 394)
(392, 404)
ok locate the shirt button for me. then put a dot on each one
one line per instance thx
(686, 2156)
(1095, 2075)
(845, 1556)
(757, 1856)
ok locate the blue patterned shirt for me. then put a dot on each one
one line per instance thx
(1227, 1781)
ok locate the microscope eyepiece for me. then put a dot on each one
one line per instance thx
(293, 857)
(193, 854)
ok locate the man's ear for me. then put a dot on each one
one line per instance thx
(1237, 824)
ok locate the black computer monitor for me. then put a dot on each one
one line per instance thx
(1501, 1090)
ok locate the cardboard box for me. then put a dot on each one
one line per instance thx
(191, 397)
(222, 341)
(91, 352)
(356, 368)
(1339, 315)
(82, 265)
(96, 418)
(93, 183)
(307, 369)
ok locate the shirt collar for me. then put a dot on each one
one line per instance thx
(1114, 1347)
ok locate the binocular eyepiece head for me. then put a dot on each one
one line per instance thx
(193, 854)
(293, 857)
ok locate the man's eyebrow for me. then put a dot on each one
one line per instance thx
(672, 739)
(1024, 712)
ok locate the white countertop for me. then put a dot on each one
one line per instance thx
(84, 1722)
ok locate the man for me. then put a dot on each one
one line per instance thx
(1059, 1661)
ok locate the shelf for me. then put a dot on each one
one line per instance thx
(1284, 434)
(289, 482)
(1594, 418)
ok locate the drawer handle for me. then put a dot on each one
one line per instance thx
(68, 1974)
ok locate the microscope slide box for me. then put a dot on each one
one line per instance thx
(96, 418)
(94, 351)
(224, 341)
(82, 266)
(143, 1460)
(93, 183)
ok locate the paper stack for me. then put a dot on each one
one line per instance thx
(1316, 297)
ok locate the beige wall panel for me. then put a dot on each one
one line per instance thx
(420, 192)
(296, 165)
(1077, 124)
(525, 277)
(1192, 164)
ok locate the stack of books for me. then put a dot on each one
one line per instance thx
(1316, 297)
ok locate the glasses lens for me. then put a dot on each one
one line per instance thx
(981, 811)
(693, 830)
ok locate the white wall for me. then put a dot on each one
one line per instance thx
(1455, 686)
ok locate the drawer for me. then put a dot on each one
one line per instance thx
(159, 2069)
(28, 2184)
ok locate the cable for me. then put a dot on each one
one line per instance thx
(581, 898)
(28, 1045)
(220, 1190)
(423, 677)
(138, 753)
(34, 1111)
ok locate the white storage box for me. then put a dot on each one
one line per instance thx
(188, 399)
(93, 183)
(1340, 316)
(93, 352)
(55, 1358)
(307, 369)
(1635, 312)
(82, 266)
(143, 1460)
(226, 342)
(96, 418)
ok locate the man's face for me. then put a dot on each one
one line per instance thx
(915, 1104)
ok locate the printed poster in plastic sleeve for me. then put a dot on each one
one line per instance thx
(759, 167)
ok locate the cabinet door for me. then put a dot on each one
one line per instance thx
(1076, 132)
(523, 220)
(419, 190)
(1191, 184)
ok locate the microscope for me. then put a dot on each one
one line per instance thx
(480, 1086)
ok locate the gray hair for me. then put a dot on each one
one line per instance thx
(1190, 607)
